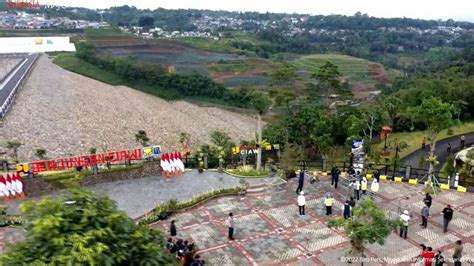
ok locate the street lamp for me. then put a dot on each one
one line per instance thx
(397, 149)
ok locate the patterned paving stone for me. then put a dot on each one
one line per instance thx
(461, 224)
(226, 256)
(339, 257)
(417, 204)
(271, 249)
(469, 210)
(223, 206)
(455, 198)
(316, 236)
(467, 254)
(204, 236)
(395, 249)
(190, 218)
(250, 226)
(317, 206)
(431, 235)
(287, 216)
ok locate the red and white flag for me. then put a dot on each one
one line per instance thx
(19, 184)
(3, 187)
(9, 186)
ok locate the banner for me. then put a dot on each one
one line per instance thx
(358, 155)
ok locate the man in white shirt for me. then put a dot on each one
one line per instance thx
(405, 219)
(301, 202)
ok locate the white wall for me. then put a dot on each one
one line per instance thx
(35, 45)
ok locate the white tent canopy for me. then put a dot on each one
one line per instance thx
(35, 45)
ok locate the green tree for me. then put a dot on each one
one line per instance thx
(221, 139)
(40, 153)
(283, 97)
(283, 76)
(327, 77)
(14, 145)
(146, 22)
(373, 117)
(436, 116)
(290, 157)
(81, 228)
(142, 138)
(368, 224)
(261, 104)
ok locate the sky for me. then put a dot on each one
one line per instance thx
(425, 9)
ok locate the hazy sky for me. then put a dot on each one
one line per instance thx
(428, 9)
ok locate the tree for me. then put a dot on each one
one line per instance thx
(146, 21)
(373, 117)
(368, 224)
(260, 103)
(13, 145)
(436, 116)
(81, 228)
(327, 77)
(290, 157)
(221, 139)
(142, 138)
(283, 76)
(40, 153)
(283, 98)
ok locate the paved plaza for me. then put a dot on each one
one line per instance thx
(269, 230)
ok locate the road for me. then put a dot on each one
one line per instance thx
(441, 150)
(9, 85)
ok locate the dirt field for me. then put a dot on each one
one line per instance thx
(66, 114)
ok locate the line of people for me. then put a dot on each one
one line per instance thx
(184, 250)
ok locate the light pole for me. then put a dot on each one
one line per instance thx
(396, 158)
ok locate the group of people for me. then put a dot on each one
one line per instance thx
(430, 258)
(184, 250)
(427, 254)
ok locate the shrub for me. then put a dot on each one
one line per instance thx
(449, 132)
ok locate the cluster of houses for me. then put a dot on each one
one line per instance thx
(23, 20)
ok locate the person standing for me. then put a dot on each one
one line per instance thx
(300, 182)
(173, 232)
(425, 213)
(375, 186)
(439, 259)
(335, 176)
(347, 210)
(428, 200)
(363, 185)
(301, 202)
(428, 256)
(448, 150)
(423, 143)
(231, 226)
(405, 219)
(377, 175)
(463, 141)
(457, 253)
(329, 201)
(447, 216)
(357, 189)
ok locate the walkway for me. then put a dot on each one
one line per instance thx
(269, 230)
(441, 150)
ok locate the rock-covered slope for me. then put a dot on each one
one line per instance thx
(66, 114)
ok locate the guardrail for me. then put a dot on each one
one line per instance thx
(9, 100)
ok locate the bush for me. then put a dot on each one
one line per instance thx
(173, 206)
(449, 132)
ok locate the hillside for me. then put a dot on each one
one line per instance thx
(66, 114)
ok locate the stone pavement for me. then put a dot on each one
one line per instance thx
(269, 230)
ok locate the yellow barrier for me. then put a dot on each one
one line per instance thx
(383, 177)
(444, 186)
(413, 181)
(343, 174)
(325, 173)
(462, 189)
(398, 179)
(368, 176)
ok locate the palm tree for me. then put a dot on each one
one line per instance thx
(260, 103)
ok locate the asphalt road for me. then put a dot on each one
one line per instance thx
(10, 83)
(441, 150)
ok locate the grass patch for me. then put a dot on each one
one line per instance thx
(109, 31)
(414, 139)
(355, 69)
(70, 62)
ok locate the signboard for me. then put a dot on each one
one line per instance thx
(152, 152)
(23, 4)
(358, 154)
(253, 149)
(83, 161)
